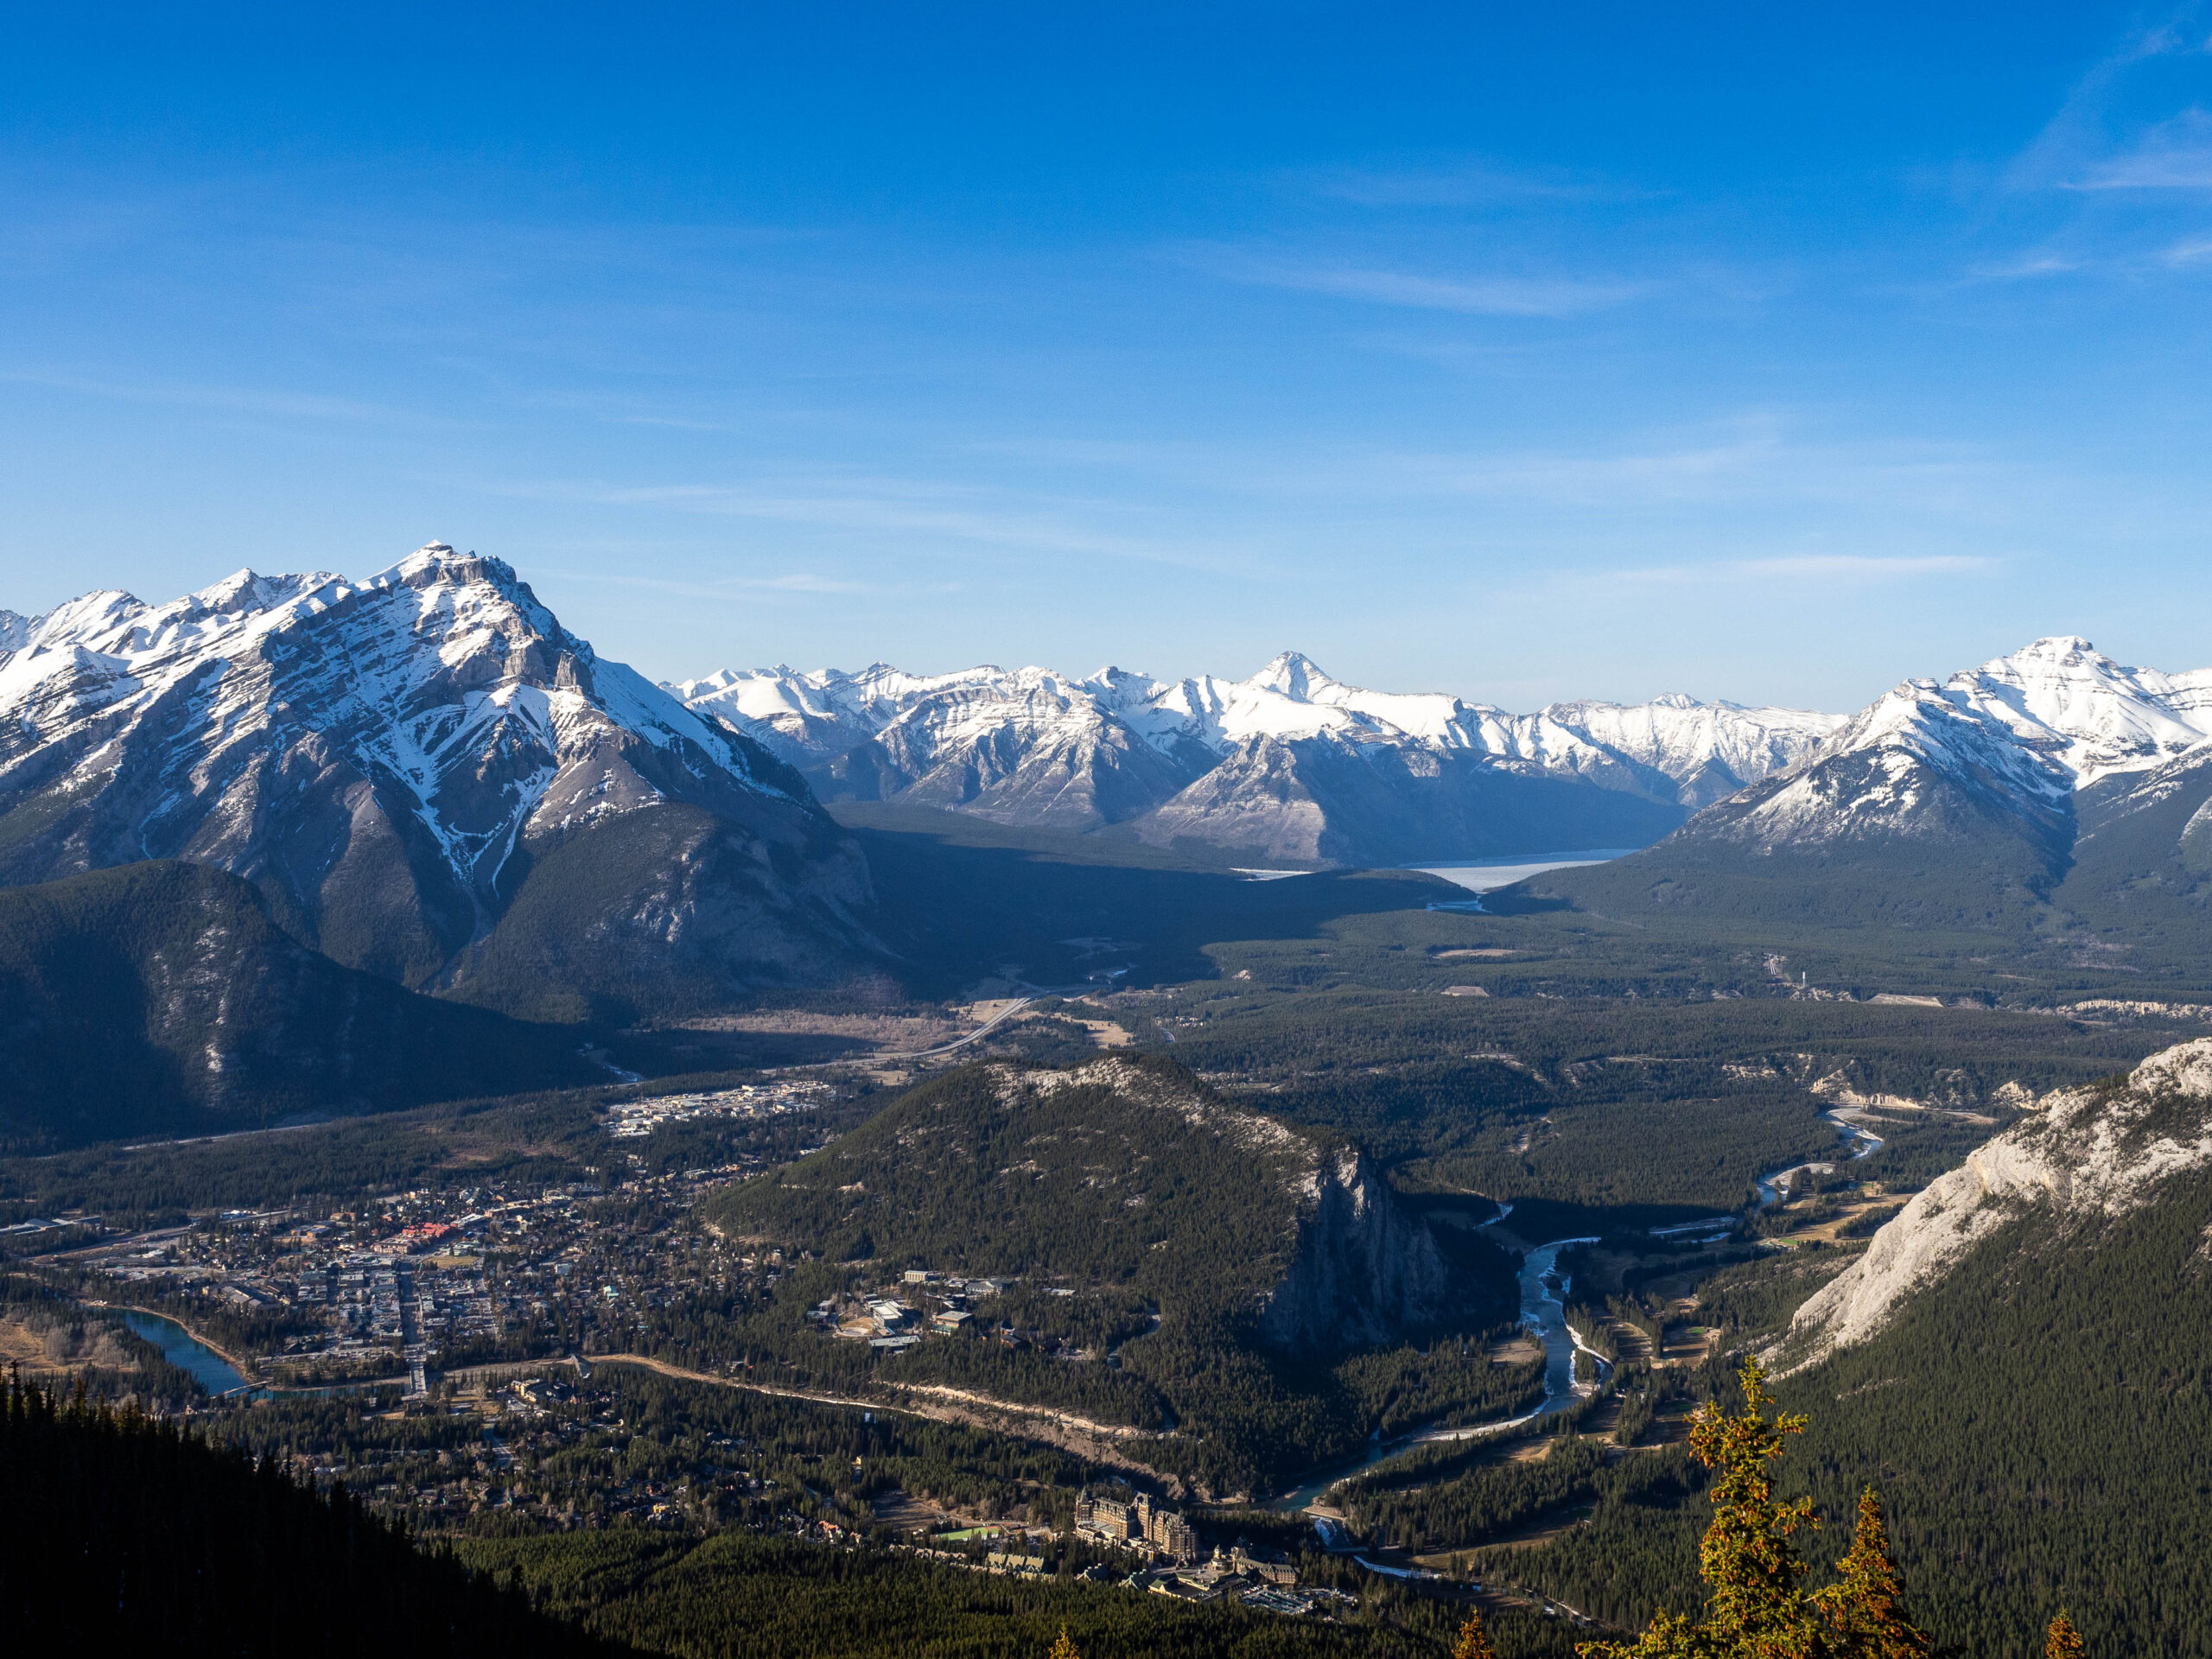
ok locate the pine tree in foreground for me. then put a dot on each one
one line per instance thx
(2062, 1640)
(1474, 1640)
(1064, 1646)
(1750, 1560)
(1864, 1609)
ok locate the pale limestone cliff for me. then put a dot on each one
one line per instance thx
(2084, 1154)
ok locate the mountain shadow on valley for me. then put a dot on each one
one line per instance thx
(160, 1000)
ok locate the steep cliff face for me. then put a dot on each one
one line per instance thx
(1364, 1270)
(2085, 1156)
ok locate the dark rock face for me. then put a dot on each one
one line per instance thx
(159, 999)
(387, 761)
(1365, 1270)
(669, 912)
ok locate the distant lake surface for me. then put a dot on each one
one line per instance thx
(1488, 874)
(187, 1352)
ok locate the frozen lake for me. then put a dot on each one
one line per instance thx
(1487, 874)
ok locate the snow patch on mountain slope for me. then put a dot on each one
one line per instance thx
(2089, 717)
(2018, 737)
(249, 724)
(983, 725)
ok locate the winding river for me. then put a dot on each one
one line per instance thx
(1543, 1315)
(1773, 1185)
(185, 1352)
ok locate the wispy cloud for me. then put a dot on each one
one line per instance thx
(2176, 155)
(724, 587)
(912, 516)
(1855, 570)
(1480, 294)
(2026, 268)
(1464, 183)
(239, 400)
(1753, 461)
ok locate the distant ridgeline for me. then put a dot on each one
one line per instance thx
(120, 1533)
(1259, 1278)
(2053, 797)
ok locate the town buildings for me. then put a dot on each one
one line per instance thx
(1135, 1522)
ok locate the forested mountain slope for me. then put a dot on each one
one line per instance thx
(1228, 1263)
(2084, 1159)
(1127, 1172)
(160, 1000)
(120, 1532)
(2019, 1362)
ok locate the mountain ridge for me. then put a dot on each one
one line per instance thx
(1290, 764)
(2030, 794)
(389, 760)
(2084, 1155)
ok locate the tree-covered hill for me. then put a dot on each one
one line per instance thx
(161, 1000)
(2035, 1404)
(1247, 1280)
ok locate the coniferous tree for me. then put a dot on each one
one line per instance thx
(2063, 1641)
(1865, 1610)
(1064, 1646)
(1749, 1557)
(1474, 1641)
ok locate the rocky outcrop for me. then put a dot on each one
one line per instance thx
(1365, 1270)
(2084, 1156)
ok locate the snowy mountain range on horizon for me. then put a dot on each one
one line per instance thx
(1290, 764)
(1295, 763)
(484, 734)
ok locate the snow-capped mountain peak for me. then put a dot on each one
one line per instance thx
(2003, 749)
(427, 722)
(1035, 745)
(1295, 674)
(2069, 701)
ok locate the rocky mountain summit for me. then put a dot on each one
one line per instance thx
(391, 761)
(2007, 744)
(1290, 765)
(2052, 779)
(2082, 1158)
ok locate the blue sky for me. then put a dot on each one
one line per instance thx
(1598, 353)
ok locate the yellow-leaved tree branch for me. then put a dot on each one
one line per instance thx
(1751, 1563)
